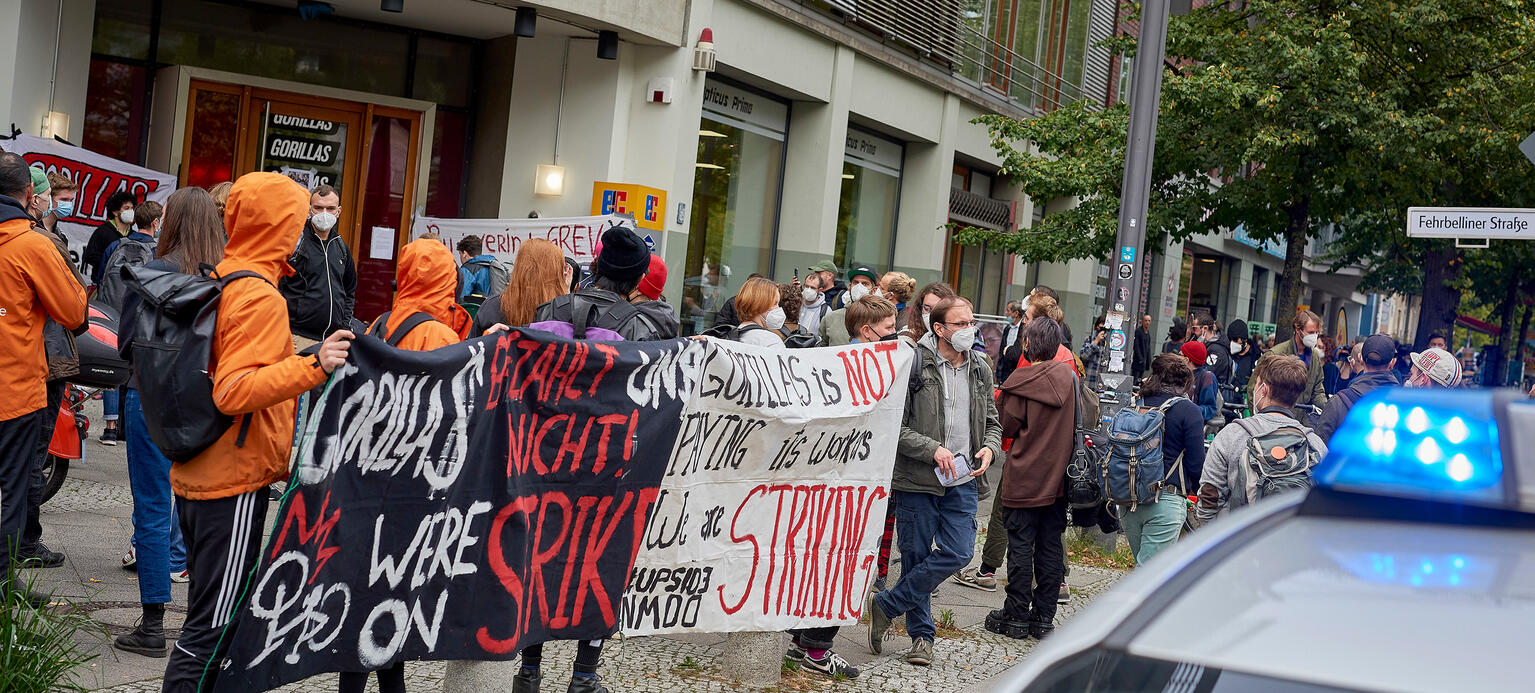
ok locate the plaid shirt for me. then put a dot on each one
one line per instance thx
(1091, 356)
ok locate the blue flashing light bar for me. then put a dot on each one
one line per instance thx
(1432, 444)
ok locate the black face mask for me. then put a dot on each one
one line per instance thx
(889, 337)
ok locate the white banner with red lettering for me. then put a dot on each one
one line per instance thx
(577, 236)
(770, 513)
(98, 177)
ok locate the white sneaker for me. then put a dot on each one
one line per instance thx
(130, 560)
(181, 577)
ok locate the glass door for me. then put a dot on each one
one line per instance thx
(311, 143)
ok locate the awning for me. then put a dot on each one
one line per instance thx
(1478, 325)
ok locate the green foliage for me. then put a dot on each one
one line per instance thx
(40, 649)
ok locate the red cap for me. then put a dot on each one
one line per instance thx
(654, 280)
(1194, 351)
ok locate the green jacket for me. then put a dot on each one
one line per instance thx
(923, 420)
(1316, 381)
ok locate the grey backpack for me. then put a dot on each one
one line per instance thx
(1278, 461)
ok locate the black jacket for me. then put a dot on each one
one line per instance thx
(1141, 358)
(633, 323)
(1337, 407)
(1218, 358)
(323, 288)
(1245, 362)
(101, 238)
(726, 315)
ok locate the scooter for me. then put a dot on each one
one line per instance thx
(70, 431)
(101, 368)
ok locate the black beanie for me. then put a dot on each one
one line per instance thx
(1237, 330)
(624, 256)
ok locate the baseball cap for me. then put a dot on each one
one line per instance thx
(825, 266)
(1378, 350)
(1194, 351)
(864, 270)
(1439, 365)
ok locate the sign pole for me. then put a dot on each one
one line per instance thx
(1134, 200)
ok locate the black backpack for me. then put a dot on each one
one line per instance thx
(169, 341)
(114, 282)
(393, 339)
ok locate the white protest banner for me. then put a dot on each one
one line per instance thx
(98, 177)
(770, 513)
(577, 236)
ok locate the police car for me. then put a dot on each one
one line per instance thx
(1409, 567)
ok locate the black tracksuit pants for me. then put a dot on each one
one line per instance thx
(223, 539)
(1036, 560)
(18, 450)
(32, 535)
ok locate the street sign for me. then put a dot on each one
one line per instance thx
(1470, 222)
(1528, 147)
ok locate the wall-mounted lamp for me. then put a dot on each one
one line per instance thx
(392, 5)
(525, 23)
(549, 180)
(607, 45)
(703, 53)
(55, 124)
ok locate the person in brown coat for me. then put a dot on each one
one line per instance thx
(1038, 410)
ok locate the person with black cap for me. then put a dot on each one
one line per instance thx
(610, 301)
(1379, 357)
(1244, 352)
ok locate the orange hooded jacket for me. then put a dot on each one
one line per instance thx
(254, 368)
(427, 280)
(35, 284)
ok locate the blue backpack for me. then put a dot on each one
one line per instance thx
(1135, 470)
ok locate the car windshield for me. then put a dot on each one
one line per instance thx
(1115, 671)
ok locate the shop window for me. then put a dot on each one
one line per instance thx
(115, 111)
(737, 178)
(871, 190)
(441, 74)
(445, 186)
(122, 29)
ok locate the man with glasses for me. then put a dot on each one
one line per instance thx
(950, 425)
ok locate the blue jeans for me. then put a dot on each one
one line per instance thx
(1155, 526)
(922, 520)
(109, 402)
(156, 533)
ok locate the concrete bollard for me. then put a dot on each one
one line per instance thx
(474, 677)
(753, 659)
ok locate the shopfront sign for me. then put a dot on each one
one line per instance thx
(744, 108)
(873, 151)
(646, 204)
(99, 177)
(1271, 246)
(576, 236)
(310, 151)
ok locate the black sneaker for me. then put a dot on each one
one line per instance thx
(998, 622)
(1040, 630)
(526, 681)
(108, 437)
(832, 665)
(39, 556)
(795, 654)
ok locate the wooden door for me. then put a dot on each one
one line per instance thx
(314, 141)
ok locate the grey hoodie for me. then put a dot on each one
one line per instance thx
(922, 423)
(1225, 483)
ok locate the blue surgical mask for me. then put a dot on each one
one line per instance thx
(64, 208)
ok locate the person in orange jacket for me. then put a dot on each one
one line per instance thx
(223, 491)
(35, 285)
(426, 281)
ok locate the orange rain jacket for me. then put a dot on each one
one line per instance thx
(254, 368)
(427, 281)
(35, 284)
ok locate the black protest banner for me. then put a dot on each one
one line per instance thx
(462, 503)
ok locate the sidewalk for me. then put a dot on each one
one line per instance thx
(90, 521)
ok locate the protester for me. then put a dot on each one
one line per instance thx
(726, 315)
(860, 283)
(955, 418)
(1013, 331)
(223, 492)
(37, 285)
(1378, 356)
(1154, 526)
(1207, 331)
(1434, 368)
(897, 286)
(790, 301)
(1437, 341)
(538, 276)
(220, 194)
(1244, 352)
(1226, 483)
(119, 222)
(1176, 336)
(322, 289)
(1202, 387)
(814, 306)
(1335, 370)
(1038, 412)
(63, 190)
(1060, 320)
(608, 303)
(192, 236)
(1304, 345)
(831, 285)
(480, 276)
(917, 321)
(1141, 357)
(146, 222)
(1094, 353)
(649, 301)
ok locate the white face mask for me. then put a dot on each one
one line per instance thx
(774, 318)
(857, 291)
(126, 216)
(324, 221)
(962, 340)
(810, 295)
(1310, 340)
(927, 321)
(879, 292)
(1235, 346)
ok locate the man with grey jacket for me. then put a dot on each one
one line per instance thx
(951, 418)
(1226, 483)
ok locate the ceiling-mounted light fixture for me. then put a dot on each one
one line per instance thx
(525, 23)
(607, 45)
(703, 53)
(395, 6)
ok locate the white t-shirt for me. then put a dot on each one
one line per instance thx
(759, 337)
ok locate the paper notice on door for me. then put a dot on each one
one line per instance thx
(381, 246)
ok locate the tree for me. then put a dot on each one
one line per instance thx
(1282, 117)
